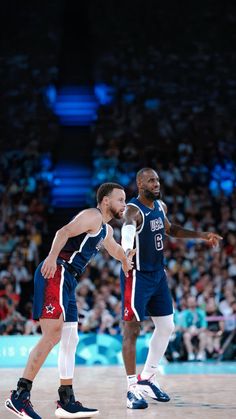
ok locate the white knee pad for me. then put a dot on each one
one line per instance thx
(67, 349)
(164, 324)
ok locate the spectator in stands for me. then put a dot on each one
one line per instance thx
(215, 328)
(4, 309)
(228, 342)
(193, 322)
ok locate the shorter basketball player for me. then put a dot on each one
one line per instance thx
(54, 299)
(145, 291)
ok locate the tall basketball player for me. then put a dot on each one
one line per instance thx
(145, 291)
(54, 298)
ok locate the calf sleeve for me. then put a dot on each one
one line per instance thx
(164, 326)
(67, 349)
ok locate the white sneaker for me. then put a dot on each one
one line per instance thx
(191, 357)
(175, 355)
(135, 399)
(74, 409)
(201, 356)
(150, 387)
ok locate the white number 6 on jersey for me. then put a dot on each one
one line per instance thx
(158, 241)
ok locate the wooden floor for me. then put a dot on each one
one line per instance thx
(192, 396)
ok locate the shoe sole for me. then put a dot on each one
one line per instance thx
(136, 407)
(63, 414)
(9, 406)
(131, 406)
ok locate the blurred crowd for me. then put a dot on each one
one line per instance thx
(171, 111)
(175, 113)
(28, 65)
(28, 136)
(24, 194)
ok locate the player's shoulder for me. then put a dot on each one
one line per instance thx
(163, 204)
(109, 229)
(132, 213)
(132, 209)
(133, 206)
(93, 214)
(109, 232)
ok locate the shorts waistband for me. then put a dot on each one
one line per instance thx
(69, 268)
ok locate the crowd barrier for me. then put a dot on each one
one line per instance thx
(92, 349)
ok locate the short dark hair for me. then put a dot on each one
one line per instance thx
(106, 189)
(143, 170)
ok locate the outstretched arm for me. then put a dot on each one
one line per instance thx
(116, 251)
(86, 221)
(175, 230)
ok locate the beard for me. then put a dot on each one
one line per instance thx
(150, 195)
(118, 215)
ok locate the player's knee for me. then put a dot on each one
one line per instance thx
(72, 340)
(169, 327)
(75, 339)
(130, 337)
(131, 331)
(53, 336)
(165, 326)
(51, 340)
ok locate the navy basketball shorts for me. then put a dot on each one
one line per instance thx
(53, 297)
(145, 294)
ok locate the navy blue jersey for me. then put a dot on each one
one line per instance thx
(80, 249)
(149, 238)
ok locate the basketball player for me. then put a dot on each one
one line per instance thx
(145, 290)
(54, 298)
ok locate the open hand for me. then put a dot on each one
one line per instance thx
(128, 264)
(130, 253)
(49, 267)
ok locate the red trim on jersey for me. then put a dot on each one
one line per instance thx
(65, 255)
(128, 311)
(51, 307)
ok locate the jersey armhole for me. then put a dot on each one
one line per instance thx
(139, 228)
(100, 212)
(160, 203)
(106, 225)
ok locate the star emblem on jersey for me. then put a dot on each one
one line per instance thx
(50, 309)
(126, 312)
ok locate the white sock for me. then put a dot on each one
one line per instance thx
(164, 326)
(131, 380)
(148, 371)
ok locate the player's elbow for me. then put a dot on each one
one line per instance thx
(63, 233)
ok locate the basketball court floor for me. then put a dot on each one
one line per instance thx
(197, 390)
